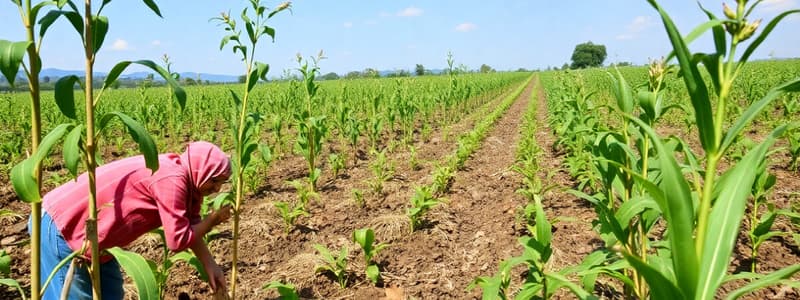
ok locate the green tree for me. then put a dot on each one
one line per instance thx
(330, 76)
(486, 69)
(588, 55)
(242, 78)
(419, 70)
(370, 73)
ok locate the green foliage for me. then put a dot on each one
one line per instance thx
(5, 271)
(366, 239)
(289, 214)
(286, 290)
(139, 269)
(382, 171)
(422, 201)
(336, 162)
(335, 265)
(588, 55)
(358, 197)
(419, 70)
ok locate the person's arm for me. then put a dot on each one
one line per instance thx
(216, 278)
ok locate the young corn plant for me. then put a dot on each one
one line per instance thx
(335, 265)
(540, 282)
(422, 201)
(794, 149)
(92, 28)
(289, 214)
(366, 239)
(311, 128)
(286, 290)
(245, 136)
(700, 250)
(336, 162)
(358, 197)
(382, 171)
(5, 271)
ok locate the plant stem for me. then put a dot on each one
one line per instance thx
(91, 164)
(36, 132)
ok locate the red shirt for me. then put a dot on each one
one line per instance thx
(131, 201)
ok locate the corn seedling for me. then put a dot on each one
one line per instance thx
(335, 265)
(5, 271)
(422, 201)
(413, 161)
(311, 128)
(289, 214)
(442, 179)
(286, 290)
(382, 171)
(336, 162)
(540, 282)
(304, 192)
(358, 197)
(245, 135)
(794, 149)
(366, 239)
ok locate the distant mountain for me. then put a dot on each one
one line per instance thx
(56, 73)
(51, 72)
(192, 75)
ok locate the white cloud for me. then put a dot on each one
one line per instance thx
(155, 43)
(466, 27)
(384, 14)
(348, 24)
(771, 6)
(635, 27)
(410, 12)
(120, 45)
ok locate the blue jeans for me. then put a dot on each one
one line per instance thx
(54, 249)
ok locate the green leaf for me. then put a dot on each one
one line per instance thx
(99, 31)
(260, 72)
(270, 31)
(720, 43)
(622, 92)
(660, 286)
(734, 188)
(559, 280)
(764, 33)
(373, 273)
(755, 109)
(5, 263)
(65, 95)
(191, 259)
(694, 83)
(72, 149)
(152, 5)
(11, 55)
(22, 175)
(768, 280)
(140, 135)
(74, 18)
(287, 291)
(678, 210)
(178, 93)
(139, 270)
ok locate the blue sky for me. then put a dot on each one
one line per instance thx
(392, 35)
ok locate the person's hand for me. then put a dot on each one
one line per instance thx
(216, 278)
(221, 215)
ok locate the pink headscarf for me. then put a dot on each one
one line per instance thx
(206, 161)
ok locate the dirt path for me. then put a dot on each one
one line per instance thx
(472, 232)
